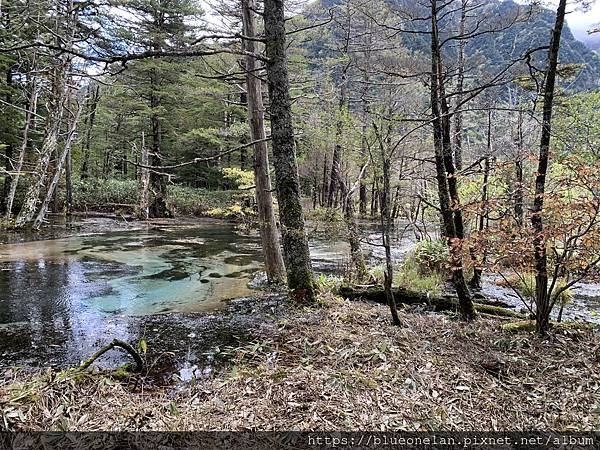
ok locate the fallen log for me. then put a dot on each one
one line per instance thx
(529, 326)
(410, 297)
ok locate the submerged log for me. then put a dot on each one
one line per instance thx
(410, 297)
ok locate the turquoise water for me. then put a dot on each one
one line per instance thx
(62, 298)
(132, 273)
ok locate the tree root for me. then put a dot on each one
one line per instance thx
(436, 302)
(139, 362)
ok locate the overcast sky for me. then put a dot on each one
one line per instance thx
(580, 22)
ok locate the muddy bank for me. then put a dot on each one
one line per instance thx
(343, 367)
(177, 344)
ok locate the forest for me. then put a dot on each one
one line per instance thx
(275, 215)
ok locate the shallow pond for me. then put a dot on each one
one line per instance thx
(62, 298)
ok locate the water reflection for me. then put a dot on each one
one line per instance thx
(58, 298)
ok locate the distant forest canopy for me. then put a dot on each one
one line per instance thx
(200, 101)
(520, 27)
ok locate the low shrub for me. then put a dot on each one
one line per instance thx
(112, 194)
(411, 276)
(102, 194)
(525, 285)
(430, 256)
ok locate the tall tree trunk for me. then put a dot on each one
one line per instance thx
(364, 151)
(10, 147)
(542, 296)
(325, 183)
(50, 193)
(475, 282)
(356, 255)
(93, 99)
(49, 145)
(445, 174)
(336, 160)
(386, 226)
(295, 242)
(144, 182)
(243, 102)
(158, 207)
(31, 109)
(519, 197)
(374, 196)
(396, 208)
(68, 183)
(274, 265)
(460, 80)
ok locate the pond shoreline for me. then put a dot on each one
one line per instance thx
(340, 366)
(90, 223)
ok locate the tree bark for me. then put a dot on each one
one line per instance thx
(32, 107)
(460, 80)
(10, 147)
(437, 302)
(542, 296)
(144, 182)
(356, 254)
(336, 160)
(475, 282)
(93, 106)
(325, 181)
(445, 173)
(68, 183)
(274, 265)
(158, 207)
(295, 242)
(49, 145)
(39, 220)
(519, 197)
(386, 225)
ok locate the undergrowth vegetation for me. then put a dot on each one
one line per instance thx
(524, 284)
(425, 268)
(343, 366)
(114, 195)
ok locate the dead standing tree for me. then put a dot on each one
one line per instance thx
(55, 108)
(274, 265)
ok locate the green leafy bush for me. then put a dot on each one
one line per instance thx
(187, 201)
(410, 276)
(95, 193)
(430, 256)
(111, 194)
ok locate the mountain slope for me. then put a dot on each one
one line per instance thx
(490, 51)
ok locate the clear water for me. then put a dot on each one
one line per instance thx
(128, 273)
(60, 299)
